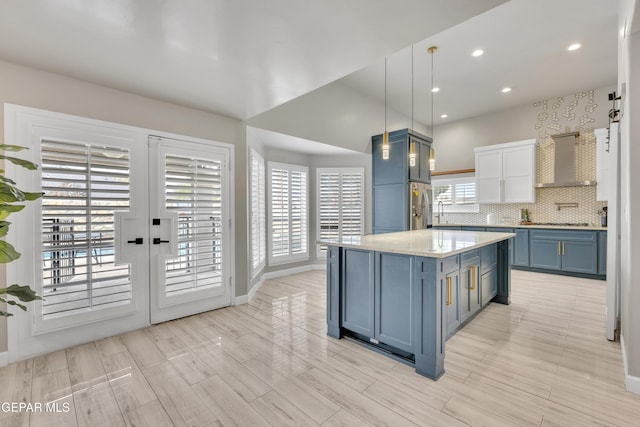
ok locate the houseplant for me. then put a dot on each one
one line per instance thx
(11, 198)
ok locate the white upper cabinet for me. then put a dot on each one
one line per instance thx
(506, 173)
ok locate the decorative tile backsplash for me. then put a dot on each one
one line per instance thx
(544, 210)
(550, 117)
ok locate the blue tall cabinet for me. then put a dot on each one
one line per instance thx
(391, 178)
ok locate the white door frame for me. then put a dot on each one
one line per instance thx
(18, 121)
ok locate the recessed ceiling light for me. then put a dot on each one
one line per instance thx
(435, 89)
(506, 89)
(444, 116)
(574, 46)
(477, 52)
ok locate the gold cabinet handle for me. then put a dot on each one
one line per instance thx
(449, 291)
(563, 248)
(559, 249)
(473, 278)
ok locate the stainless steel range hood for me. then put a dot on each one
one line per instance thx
(564, 163)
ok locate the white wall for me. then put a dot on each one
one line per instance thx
(336, 115)
(38, 89)
(454, 142)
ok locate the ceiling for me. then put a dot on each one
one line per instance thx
(237, 58)
(525, 48)
(285, 142)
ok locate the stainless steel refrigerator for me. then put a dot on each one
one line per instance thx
(421, 205)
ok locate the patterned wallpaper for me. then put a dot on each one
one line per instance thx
(550, 117)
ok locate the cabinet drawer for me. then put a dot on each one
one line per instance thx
(471, 257)
(566, 235)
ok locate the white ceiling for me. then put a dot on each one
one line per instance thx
(285, 142)
(234, 57)
(525, 44)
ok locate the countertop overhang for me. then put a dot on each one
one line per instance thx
(429, 243)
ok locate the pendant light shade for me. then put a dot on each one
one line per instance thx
(432, 152)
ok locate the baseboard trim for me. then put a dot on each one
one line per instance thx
(4, 358)
(319, 266)
(242, 299)
(631, 382)
(285, 272)
(255, 288)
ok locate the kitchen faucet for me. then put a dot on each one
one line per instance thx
(440, 211)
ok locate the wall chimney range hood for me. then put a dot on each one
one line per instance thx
(564, 163)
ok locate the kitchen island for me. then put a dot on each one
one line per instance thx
(405, 293)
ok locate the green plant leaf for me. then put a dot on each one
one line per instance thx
(22, 292)
(5, 147)
(10, 194)
(4, 228)
(20, 162)
(7, 253)
(7, 180)
(6, 210)
(5, 314)
(22, 306)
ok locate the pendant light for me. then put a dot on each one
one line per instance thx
(385, 135)
(432, 152)
(412, 146)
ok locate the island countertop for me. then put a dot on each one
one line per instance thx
(426, 243)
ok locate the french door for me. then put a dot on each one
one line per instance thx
(132, 229)
(190, 227)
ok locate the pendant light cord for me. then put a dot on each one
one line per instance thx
(412, 87)
(385, 94)
(433, 127)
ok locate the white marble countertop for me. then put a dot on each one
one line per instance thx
(534, 225)
(427, 243)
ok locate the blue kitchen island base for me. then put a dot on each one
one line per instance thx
(408, 305)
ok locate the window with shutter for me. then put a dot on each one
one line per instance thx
(456, 194)
(340, 204)
(258, 214)
(83, 186)
(288, 213)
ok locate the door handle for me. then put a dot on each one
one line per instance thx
(563, 248)
(449, 291)
(157, 241)
(137, 241)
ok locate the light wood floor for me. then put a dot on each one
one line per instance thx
(543, 360)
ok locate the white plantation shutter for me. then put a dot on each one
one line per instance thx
(288, 216)
(83, 185)
(456, 194)
(465, 193)
(258, 213)
(193, 190)
(340, 204)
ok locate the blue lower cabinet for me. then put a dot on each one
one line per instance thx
(450, 283)
(602, 252)
(489, 286)
(447, 227)
(566, 250)
(545, 254)
(469, 288)
(520, 247)
(394, 294)
(474, 228)
(580, 257)
(357, 292)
